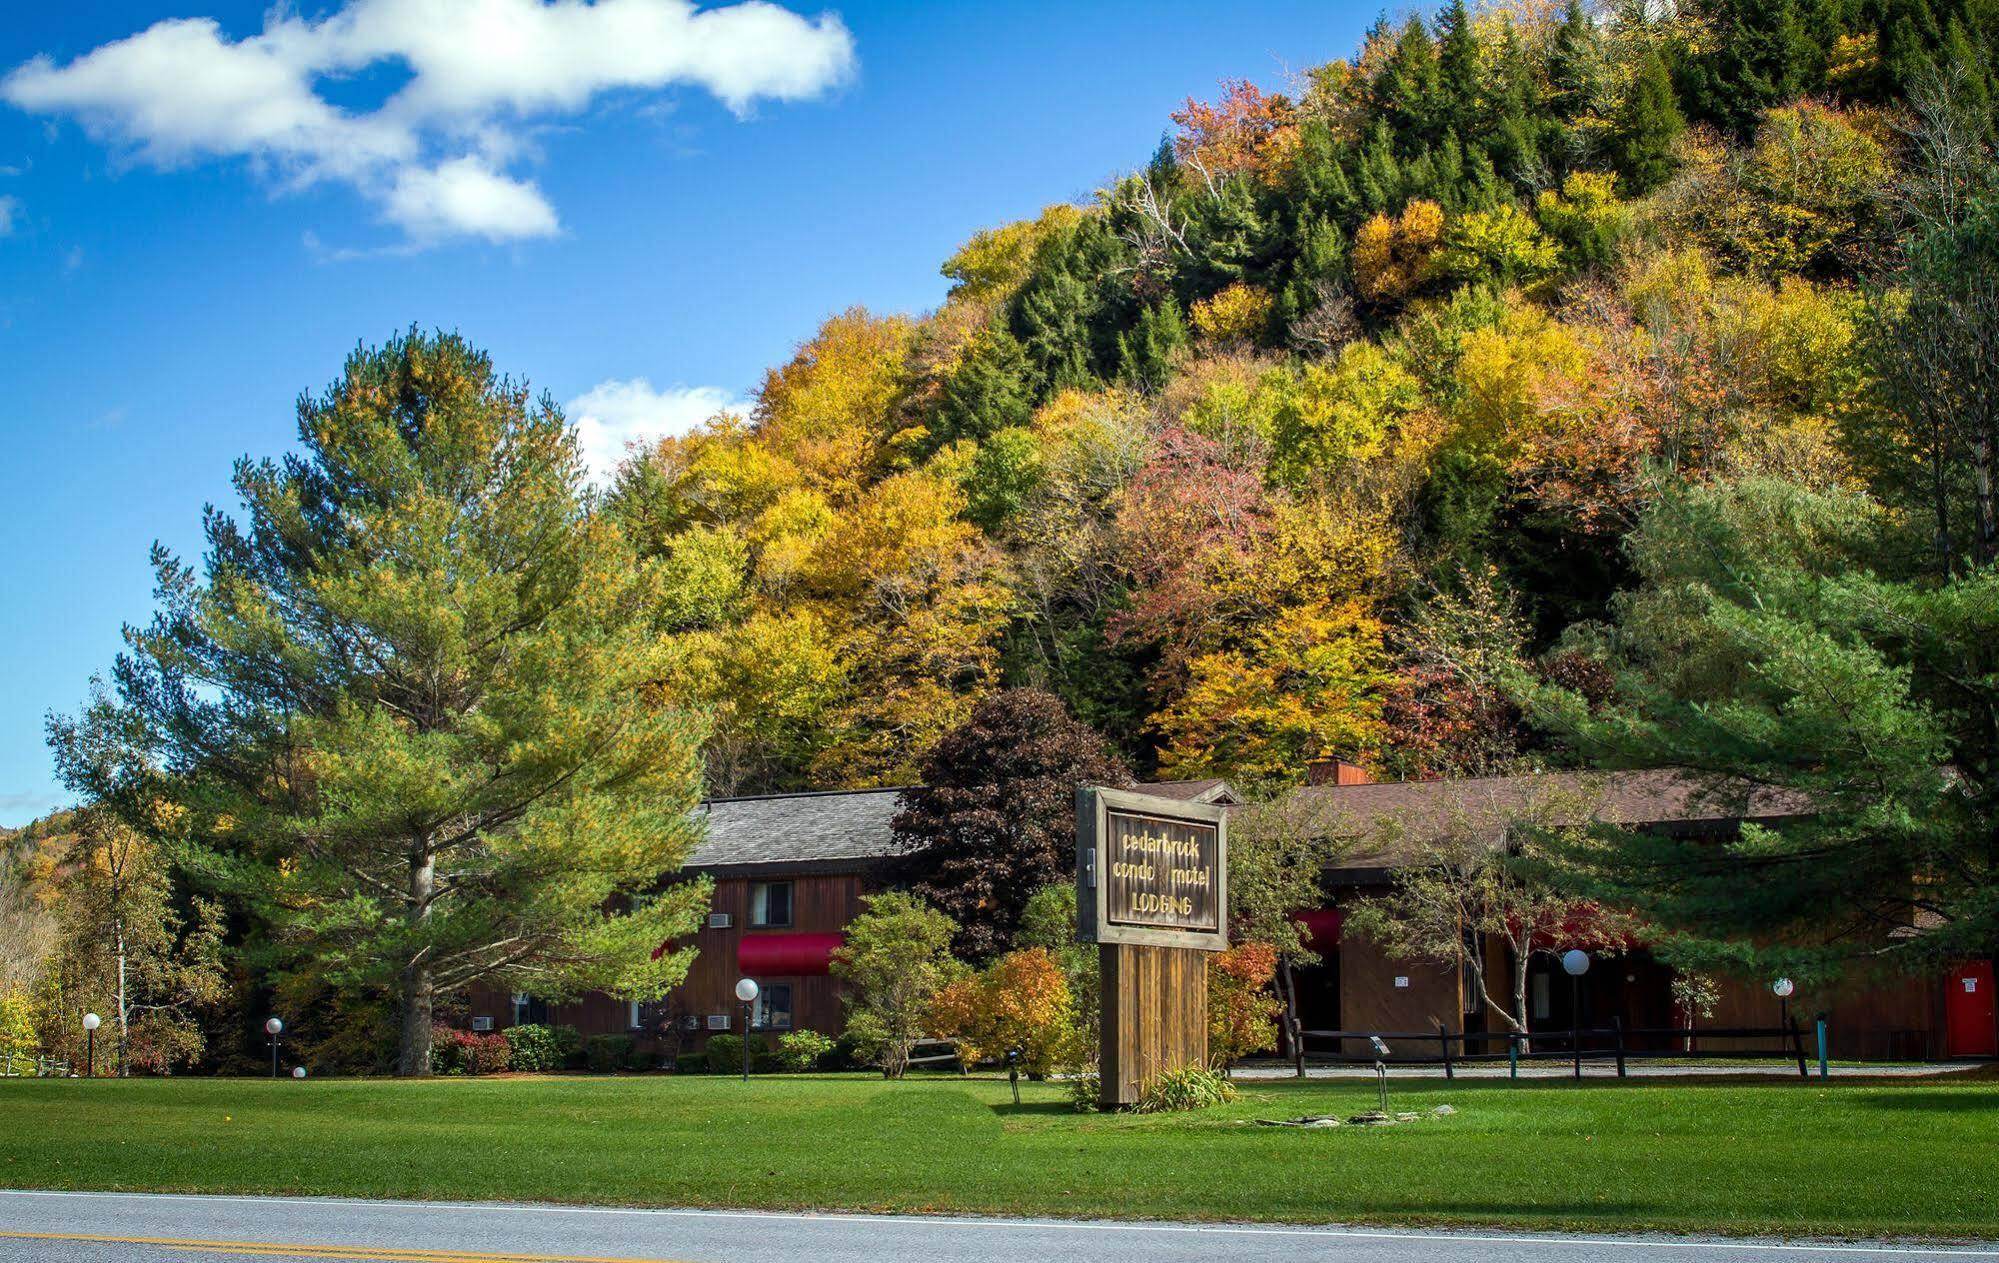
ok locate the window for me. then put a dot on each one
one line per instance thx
(1539, 1002)
(773, 1011)
(528, 1011)
(770, 903)
(633, 1021)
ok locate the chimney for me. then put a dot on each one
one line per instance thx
(1336, 771)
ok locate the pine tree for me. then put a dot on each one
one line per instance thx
(1457, 69)
(989, 392)
(1408, 93)
(1148, 353)
(408, 710)
(1648, 122)
(1575, 65)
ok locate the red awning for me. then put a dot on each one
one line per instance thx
(787, 955)
(1321, 928)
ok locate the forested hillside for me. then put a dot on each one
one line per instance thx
(1298, 438)
(1539, 387)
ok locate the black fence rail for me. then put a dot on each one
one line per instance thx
(1449, 1048)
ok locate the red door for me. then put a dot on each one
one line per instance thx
(1969, 1020)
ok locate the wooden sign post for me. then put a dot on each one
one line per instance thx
(1152, 893)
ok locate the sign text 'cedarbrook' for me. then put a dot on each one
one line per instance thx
(1160, 872)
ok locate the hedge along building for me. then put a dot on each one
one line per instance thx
(790, 870)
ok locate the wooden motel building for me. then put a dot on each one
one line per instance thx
(790, 870)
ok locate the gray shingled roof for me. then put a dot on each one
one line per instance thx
(799, 828)
(848, 828)
(837, 826)
(1392, 819)
(1209, 790)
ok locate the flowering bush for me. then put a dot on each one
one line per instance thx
(464, 1052)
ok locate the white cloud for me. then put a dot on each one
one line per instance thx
(10, 214)
(433, 156)
(466, 196)
(613, 415)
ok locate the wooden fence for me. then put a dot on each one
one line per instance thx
(1454, 1048)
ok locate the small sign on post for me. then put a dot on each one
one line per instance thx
(1152, 893)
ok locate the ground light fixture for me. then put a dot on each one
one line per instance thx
(298, 1072)
(746, 991)
(1575, 963)
(90, 1024)
(1380, 1070)
(274, 1028)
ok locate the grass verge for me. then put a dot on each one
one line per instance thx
(1849, 1157)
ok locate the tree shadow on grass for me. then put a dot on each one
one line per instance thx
(1934, 1101)
(1007, 1108)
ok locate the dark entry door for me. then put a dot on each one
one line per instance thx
(1968, 1011)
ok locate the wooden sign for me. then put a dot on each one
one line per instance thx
(1151, 871)
(1152, 892)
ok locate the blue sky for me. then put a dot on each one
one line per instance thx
(199, 224)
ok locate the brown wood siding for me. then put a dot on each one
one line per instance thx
(1370, 1000)
(820, 904)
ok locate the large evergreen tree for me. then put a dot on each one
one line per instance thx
(1648, 122)
(405, 706)
(1763, 653)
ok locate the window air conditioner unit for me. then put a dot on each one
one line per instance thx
(718, 920)
(718, 1021)
(482, 1023)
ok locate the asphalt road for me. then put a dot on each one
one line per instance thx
(146, 1228)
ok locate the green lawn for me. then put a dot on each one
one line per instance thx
(1849, 1157)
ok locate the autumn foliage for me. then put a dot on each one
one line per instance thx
(1021, 1001)
(1242, 1011)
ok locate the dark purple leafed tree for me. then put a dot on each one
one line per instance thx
(995, 819)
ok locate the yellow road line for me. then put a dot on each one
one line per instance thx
(386, 1254)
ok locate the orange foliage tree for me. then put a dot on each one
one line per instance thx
(1021, 1001)
(1242, 1009)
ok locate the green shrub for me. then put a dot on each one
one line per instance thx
(1188, 1088)
(604, 1054)
(725, 1054)
(1085, 1087)
(802, 1050)
(539, 1048)
(570, 1040)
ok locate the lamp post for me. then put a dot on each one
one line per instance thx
(1782, 989)
(90, 1024)
(274, 1028)
(1380, 1070)
(1575, 963)
(746, 991)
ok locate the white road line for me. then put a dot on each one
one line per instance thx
(930, 1221)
